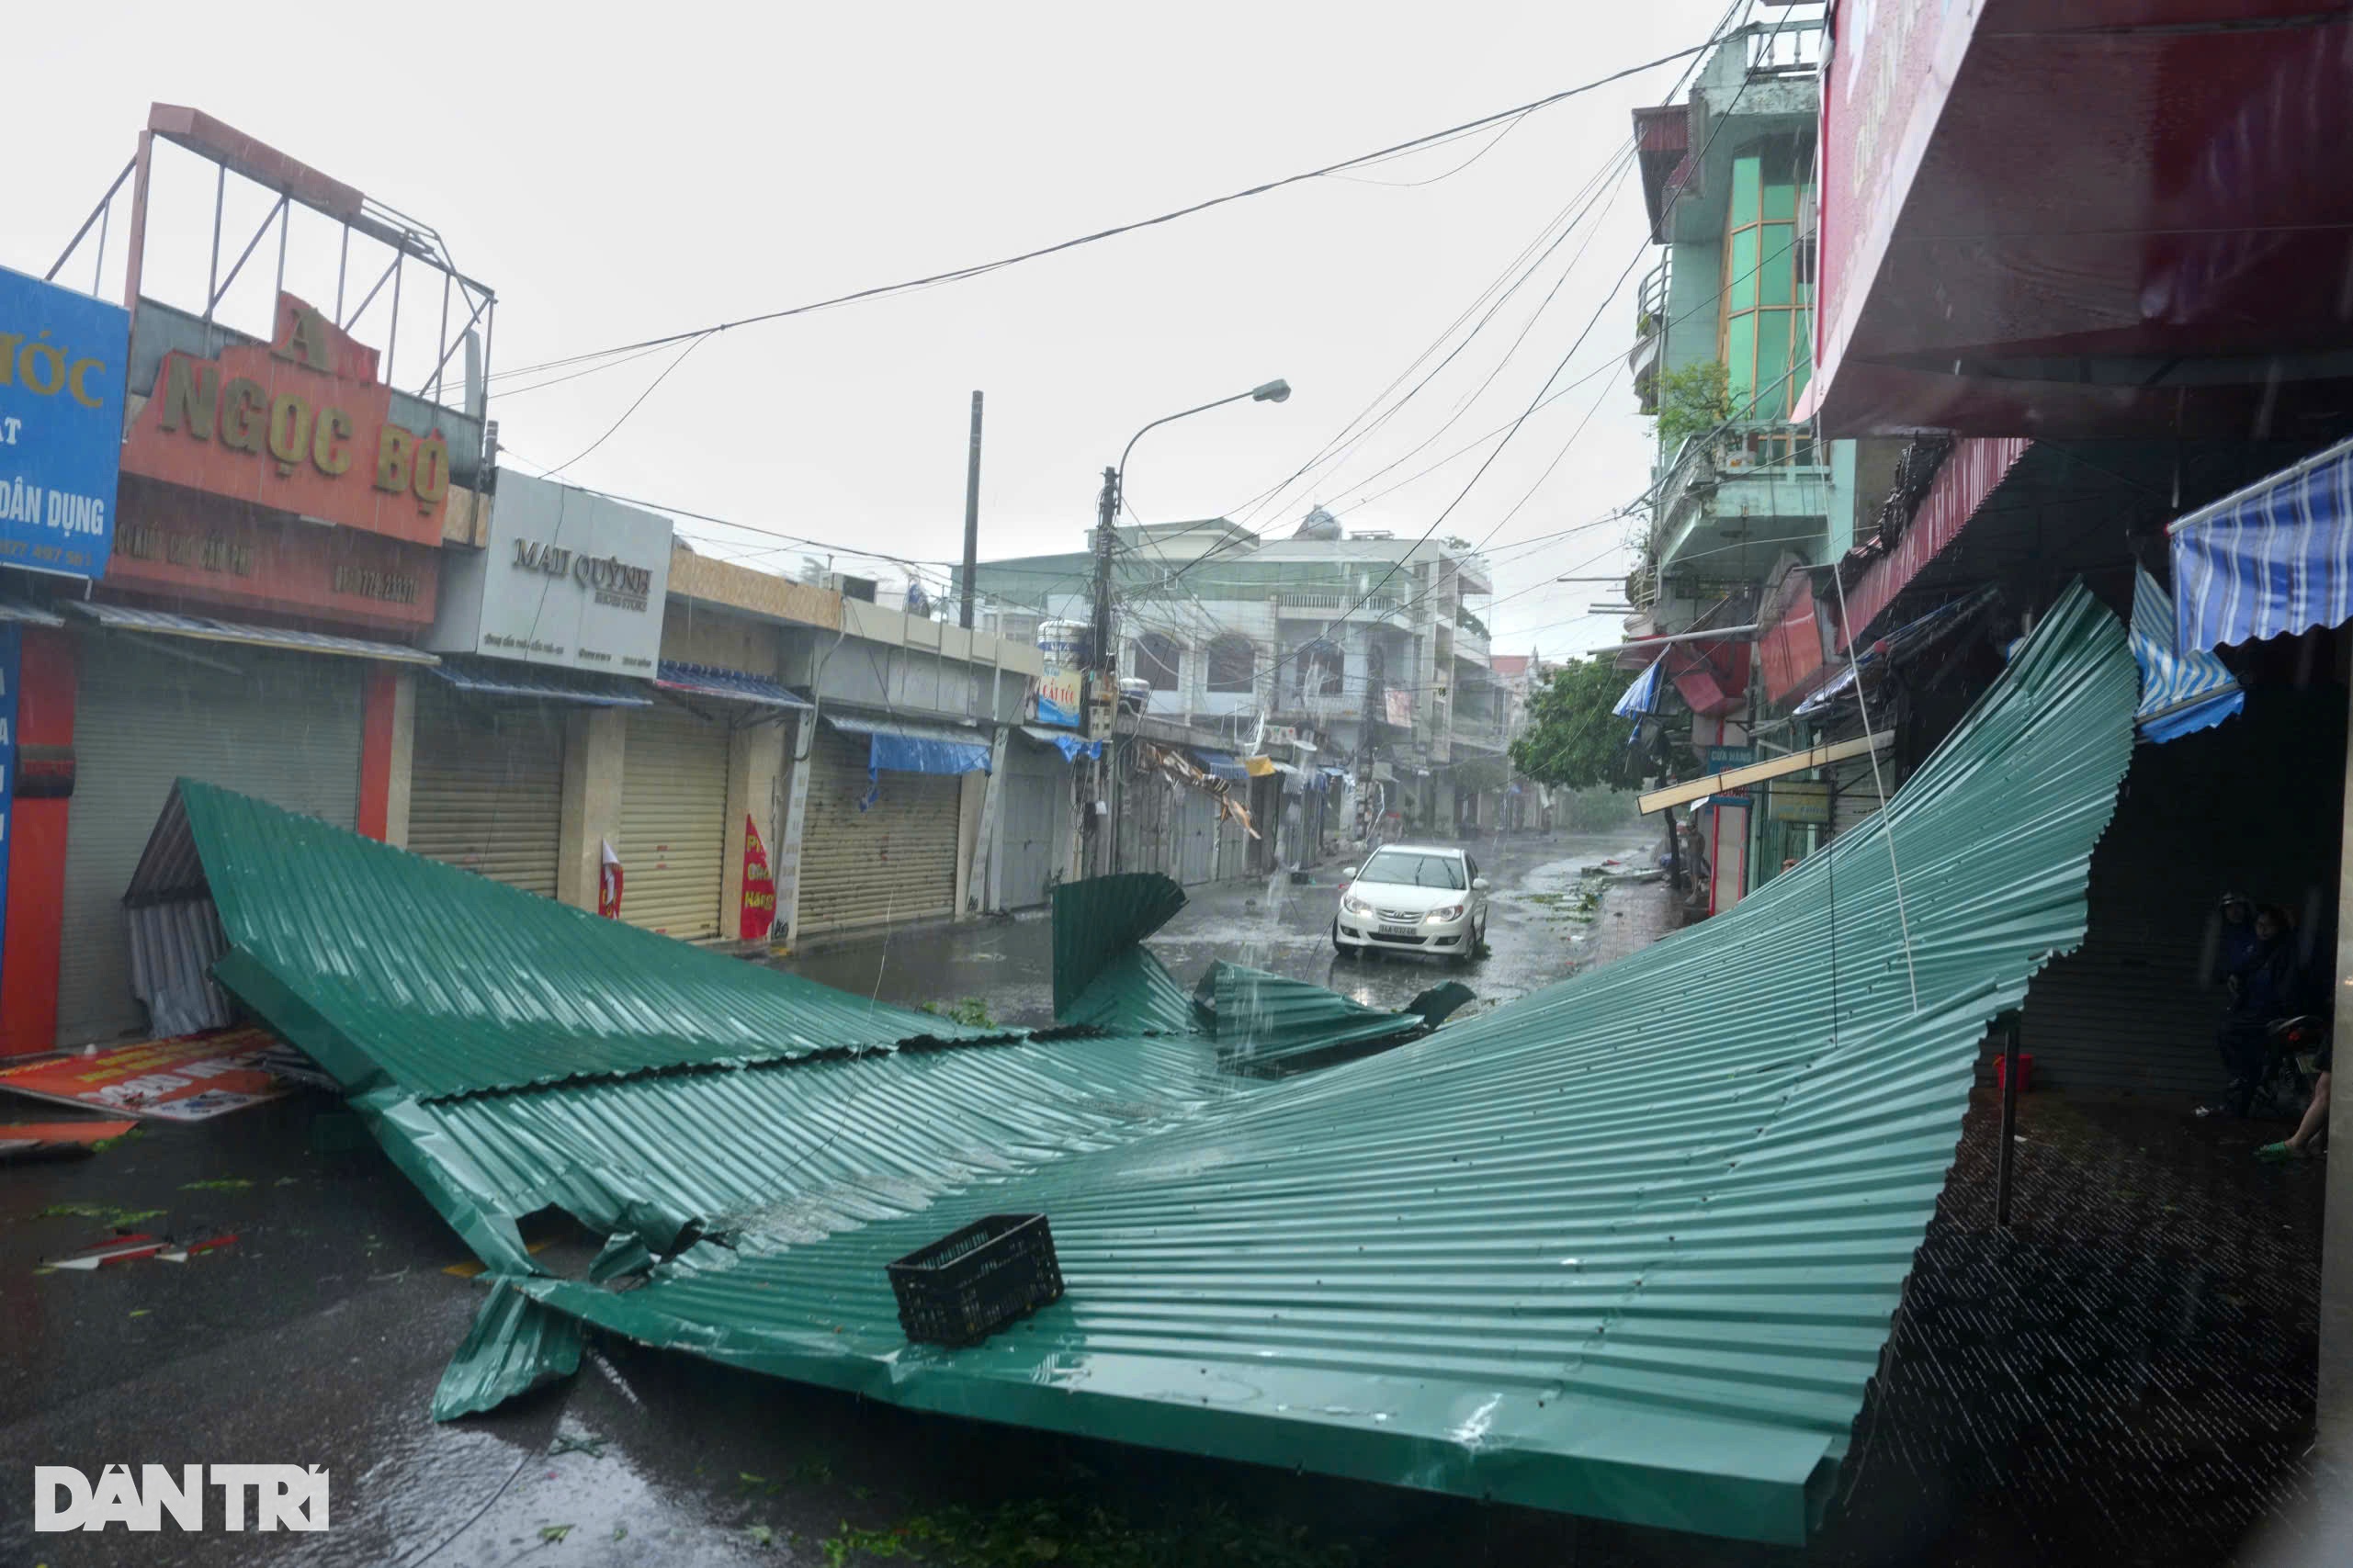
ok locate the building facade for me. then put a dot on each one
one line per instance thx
(1358, 663)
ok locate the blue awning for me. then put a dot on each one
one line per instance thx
(2180, 693)
(1063, 740)
(2275, 558)
(912, 746)
(504, 678)
(1221, 763)
(735, 686)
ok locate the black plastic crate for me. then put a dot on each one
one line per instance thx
(971, 1282)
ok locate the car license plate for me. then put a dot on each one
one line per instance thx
(1391, 928)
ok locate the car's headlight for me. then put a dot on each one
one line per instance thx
(1439, 917)
(1355, 906)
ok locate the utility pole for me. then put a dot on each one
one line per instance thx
(972, 518)
(1104, 664)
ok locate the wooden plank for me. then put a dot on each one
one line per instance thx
(1756, 773)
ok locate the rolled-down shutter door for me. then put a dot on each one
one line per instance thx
(892, 863)
(1035, 776)
(674, 823)
(284, 727)
(486, 792)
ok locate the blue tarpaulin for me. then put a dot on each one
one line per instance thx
(1221, 763)
(2275, 558)
(910, 746)
(1064, 741)
(2180, 693)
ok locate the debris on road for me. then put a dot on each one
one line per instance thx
(1356, 1270)
(53, 1140)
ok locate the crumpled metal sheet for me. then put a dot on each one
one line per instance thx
(1627, 1247)
(1262, 1021)
(514, 1345)
(1098, 923)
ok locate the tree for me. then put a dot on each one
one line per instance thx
(1573, 739)
(1692, 401)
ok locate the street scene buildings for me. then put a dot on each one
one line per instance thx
(754, 995)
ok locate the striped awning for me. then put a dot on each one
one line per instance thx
(2273, 558)
(2180, 693)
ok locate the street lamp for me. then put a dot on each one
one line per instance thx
(1106, 660)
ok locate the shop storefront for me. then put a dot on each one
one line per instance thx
(881, 837)
(58, 472)
(558, 617)
(265, 582)
(1039, 816)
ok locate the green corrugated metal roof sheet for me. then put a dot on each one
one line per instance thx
(1627, 1247)
(393, 969)
(1098, 922)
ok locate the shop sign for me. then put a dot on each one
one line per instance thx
(11, 645)
(61, 360)
(759, 911)
(1400, 708)
(300, 425)
(1719, 757)
(1798, 800)
(567, 577)
(1881, 92)
(250, 561)
(1061, 650)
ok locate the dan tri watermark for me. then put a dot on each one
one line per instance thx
(193, 1496)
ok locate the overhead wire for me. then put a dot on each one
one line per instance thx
(1262, 187)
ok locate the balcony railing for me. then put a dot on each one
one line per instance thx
(1790, 47)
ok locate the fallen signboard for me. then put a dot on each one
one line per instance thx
(188, 1080)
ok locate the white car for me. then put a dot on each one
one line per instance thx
(1413, 898)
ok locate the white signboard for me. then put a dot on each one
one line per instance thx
(569, 578)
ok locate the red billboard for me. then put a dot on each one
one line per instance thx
(1891, 64)
(302, 425)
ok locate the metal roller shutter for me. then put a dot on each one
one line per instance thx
(674, 823)
(283, 726)
(892, 863)
(486, 792)
(1196, 847)
(1036, 777)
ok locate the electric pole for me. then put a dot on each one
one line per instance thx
(972, 518)
(1103, 677)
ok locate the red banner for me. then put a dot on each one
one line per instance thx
(759, 886)
(609, 882)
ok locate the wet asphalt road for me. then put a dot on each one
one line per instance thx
(1534, 937)
(317, 1337)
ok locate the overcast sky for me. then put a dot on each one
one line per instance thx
(619, 173)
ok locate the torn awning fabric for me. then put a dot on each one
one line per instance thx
(2181, 693)
(1593, 1250)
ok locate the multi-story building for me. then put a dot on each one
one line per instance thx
(1745, 499)
(1365, 652)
